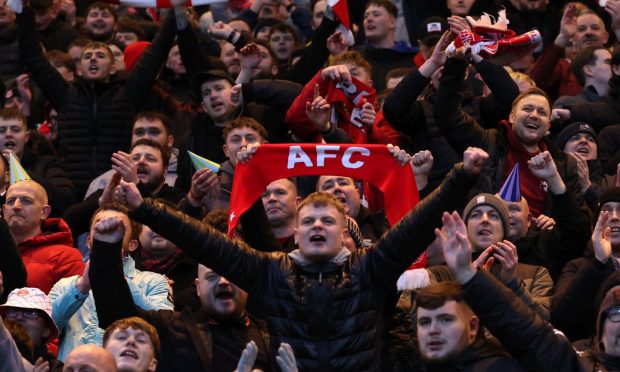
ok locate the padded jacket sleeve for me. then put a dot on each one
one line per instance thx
(460, 129)
(143, 75)
(402, 244)
(520, 330)
(247, 268)
(48, 79)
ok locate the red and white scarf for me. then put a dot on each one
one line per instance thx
(372, 163)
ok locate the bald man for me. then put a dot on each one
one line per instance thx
(45, 244)
(90, 358)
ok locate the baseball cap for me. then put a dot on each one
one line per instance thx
(208, 75)
(431, 30)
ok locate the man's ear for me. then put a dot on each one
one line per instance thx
(511, 117)
(370, 83)
(170, 140)
(153, 364)
(587, 70)
(27, 135)
(113, 67)
(132, 246)
(295, 236)
(45, 212)
(474, 325)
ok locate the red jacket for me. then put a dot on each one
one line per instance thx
(380, 132)
(50, 256)
(554, 74)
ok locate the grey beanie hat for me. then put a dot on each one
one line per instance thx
(493, 202)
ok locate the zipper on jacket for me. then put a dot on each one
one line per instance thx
(94, 131)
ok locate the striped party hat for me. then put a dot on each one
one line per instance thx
(17, 172)
(201, 163)
(511, 189)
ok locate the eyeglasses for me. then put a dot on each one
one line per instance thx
(613, 314)
(26, 313)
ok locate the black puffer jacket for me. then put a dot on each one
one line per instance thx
(10, 65)
(331, 313)
(94, 118)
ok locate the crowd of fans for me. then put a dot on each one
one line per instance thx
(115, 252)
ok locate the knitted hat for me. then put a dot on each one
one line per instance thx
(573, 129)
(493, 202)
(611, 194)
(32, 298)
(354, 232)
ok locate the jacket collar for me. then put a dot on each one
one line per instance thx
(338, 260)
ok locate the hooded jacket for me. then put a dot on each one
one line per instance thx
(50, 256)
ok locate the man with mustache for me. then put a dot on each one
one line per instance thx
(211, 338)
(146, 165)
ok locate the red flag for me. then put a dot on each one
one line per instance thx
(341, 10)
(372, 163)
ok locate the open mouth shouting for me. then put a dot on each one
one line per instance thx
(10, 145)
(128, 353)
(317, 239)
(224, 294)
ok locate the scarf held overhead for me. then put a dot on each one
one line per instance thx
(346, 101)
(372, 163)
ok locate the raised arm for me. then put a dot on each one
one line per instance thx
(232, 259)
(410, 237)
(143, 75)
(399, 106)
(460, 129)
(11, 265)
(47, 78)
(520, 330)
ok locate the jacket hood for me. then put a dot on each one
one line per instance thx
(54, 231)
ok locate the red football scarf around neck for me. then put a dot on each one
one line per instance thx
(372, 163)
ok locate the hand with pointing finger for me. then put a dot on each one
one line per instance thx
(317, 111)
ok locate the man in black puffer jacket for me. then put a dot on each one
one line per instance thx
(96, 111)
(328, 303)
